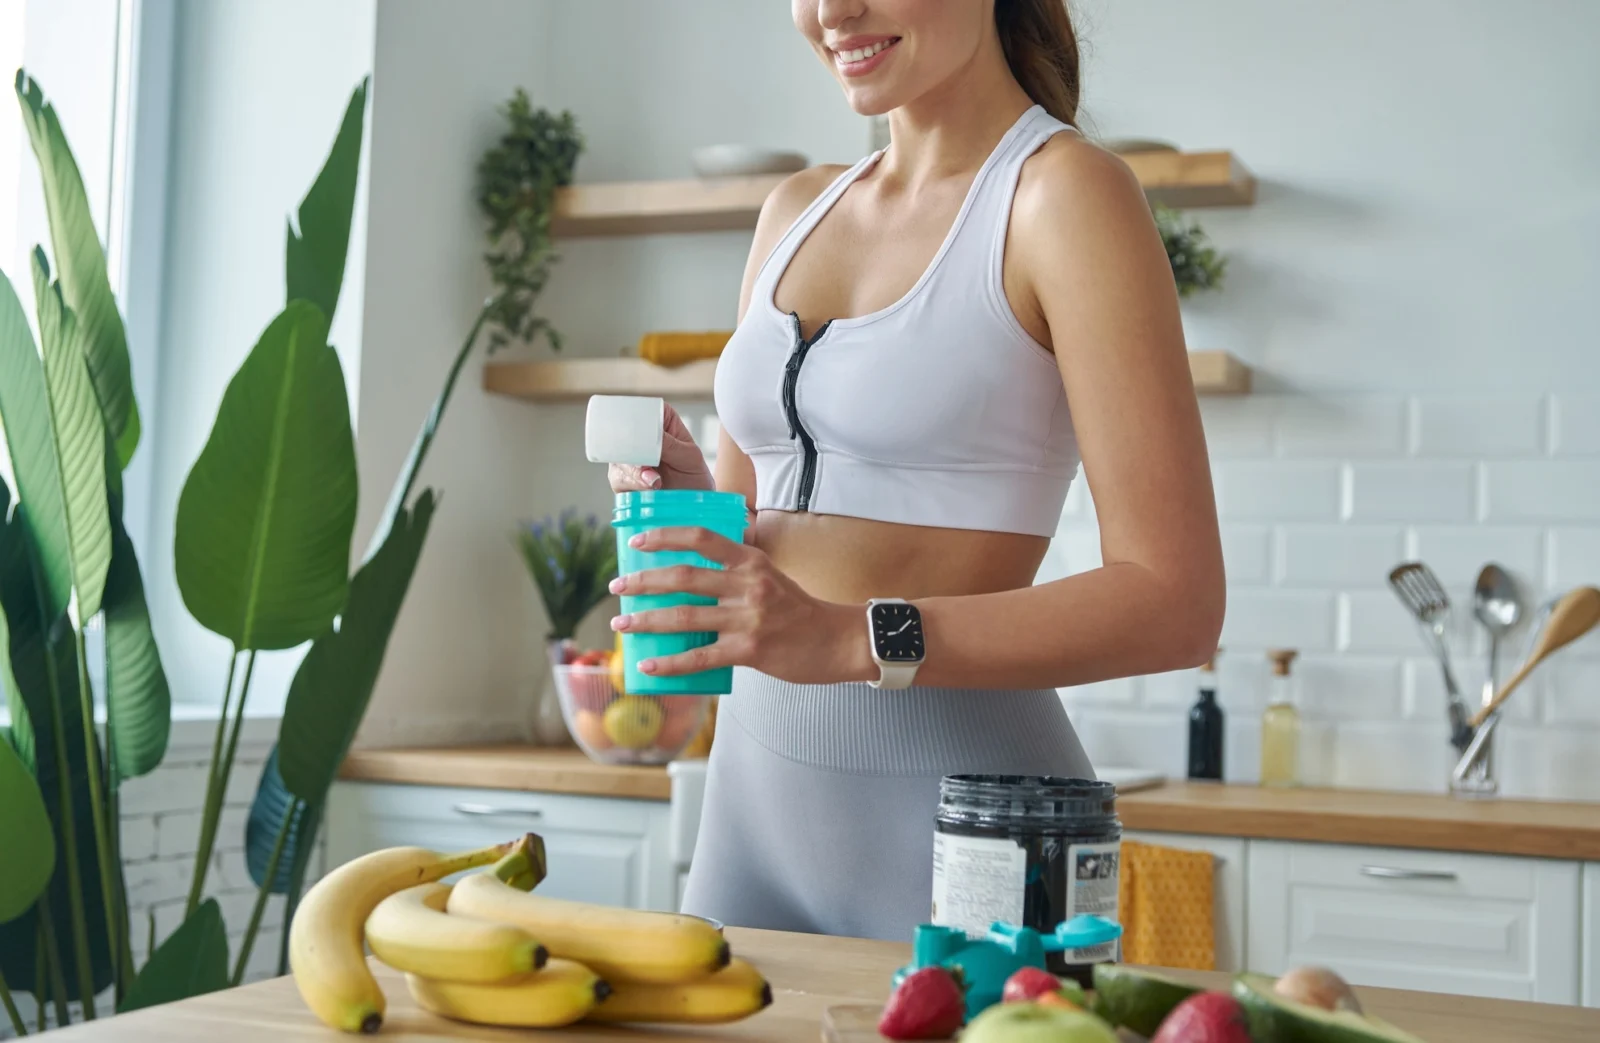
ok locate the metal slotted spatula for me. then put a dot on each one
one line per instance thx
(1420, 591)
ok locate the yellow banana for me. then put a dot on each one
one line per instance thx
(410, 932)
(735, 992)
(325, 951)
(619, 944)
(558, 995)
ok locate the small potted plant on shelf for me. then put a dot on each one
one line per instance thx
(572, 561)
(1197, 267)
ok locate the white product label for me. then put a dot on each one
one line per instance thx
(1092, 889)
(978, 880)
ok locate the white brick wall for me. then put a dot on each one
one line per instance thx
(1319, 498)
(160, 830)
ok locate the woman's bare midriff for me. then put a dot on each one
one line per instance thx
(842, 559)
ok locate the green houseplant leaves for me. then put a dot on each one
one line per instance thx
(25, 837)
(266, 515)
(191, 962)
(138, 701)
(84, 285)
(315, 256)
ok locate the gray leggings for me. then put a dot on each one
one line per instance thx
(820, 799)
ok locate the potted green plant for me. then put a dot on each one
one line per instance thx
(1197, 267)
(517, 182)
(572, 561)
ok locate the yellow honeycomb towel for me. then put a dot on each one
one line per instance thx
(1164, 899)
(674, 349)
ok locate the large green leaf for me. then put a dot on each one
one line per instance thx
(82, 266)
(272, 803)
(25, 837)
(13, 563)
(191, 962)
(314, 259)
(266, 515)
(80, 442)
(333, 684)
(25, 413)
(138, 701)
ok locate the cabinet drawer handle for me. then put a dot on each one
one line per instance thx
(465, 808)
(1393, 873)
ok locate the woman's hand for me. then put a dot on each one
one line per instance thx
(762, 618)
(683, 465)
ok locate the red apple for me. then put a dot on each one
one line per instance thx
(1029, 984)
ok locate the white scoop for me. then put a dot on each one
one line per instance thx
(624, 429)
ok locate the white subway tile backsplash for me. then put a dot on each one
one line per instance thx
(1479, 427)
(1121, 691)
(1277, 490)
(1343, 687)
(1392, 755)
(138, 837)
(1376, 621)
(1425, 693)
(1571, 692)
(1279, 619)
(1574, 558)
(1457, 553)
(1575, 425)
(1247, 553)
(1339, 555)
(1413, 492)
(1239, 426)
(1078, 551)
(1543, 491)
(1551, 763)
(1134, 740)
(1342, 427)
(1176, 688)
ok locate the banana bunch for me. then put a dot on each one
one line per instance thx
(486, 951)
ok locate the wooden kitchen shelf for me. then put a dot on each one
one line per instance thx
(1178, 179)
(574, 380)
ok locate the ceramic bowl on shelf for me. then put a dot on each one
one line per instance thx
(615, 728)
(744, 161)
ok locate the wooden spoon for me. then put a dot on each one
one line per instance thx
(1574, 615)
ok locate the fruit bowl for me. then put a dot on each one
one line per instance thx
(613, 727)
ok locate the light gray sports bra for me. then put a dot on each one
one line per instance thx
(938, 410)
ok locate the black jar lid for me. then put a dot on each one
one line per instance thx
(1037, 798)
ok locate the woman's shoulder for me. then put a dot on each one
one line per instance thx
(797, 191)
(1071, 177)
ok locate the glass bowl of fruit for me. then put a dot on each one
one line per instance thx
(610, 725)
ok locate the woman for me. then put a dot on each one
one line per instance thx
(929, 342)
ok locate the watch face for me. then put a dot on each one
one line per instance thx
(897, 633)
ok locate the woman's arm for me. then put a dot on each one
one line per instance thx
(1084, 242)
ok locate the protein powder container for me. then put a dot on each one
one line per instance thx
(1030, 850)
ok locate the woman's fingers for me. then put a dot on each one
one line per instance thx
(701, 541)
(632, 478)
(729, 650)
(677, 620)
(677, 579)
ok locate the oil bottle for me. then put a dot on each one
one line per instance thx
(1206, 727)
(1280, 725)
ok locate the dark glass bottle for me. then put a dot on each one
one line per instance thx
(1206, 728)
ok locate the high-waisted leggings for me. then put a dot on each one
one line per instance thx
(820, 799)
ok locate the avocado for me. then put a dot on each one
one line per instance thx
(1136, 998)
(1276, 1019)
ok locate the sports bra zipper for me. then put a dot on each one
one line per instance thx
(791, 381)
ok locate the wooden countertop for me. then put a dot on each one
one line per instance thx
(809, 973)
(532, 769)
(1548, 829)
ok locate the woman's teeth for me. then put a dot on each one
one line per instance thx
(861, 54)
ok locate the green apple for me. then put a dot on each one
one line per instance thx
(1033, 1023)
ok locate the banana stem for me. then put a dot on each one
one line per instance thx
(268, 879)
(58, 978)
(523, 865)
(11, 1007)
(217, 782)
(97, 808)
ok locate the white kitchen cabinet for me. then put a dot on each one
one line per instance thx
(600, 849)
(1228, 883)
(1591, 934)
(1435, 921)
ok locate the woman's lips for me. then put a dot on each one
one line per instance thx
(863, 59)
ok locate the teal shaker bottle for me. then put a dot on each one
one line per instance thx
(635, 512)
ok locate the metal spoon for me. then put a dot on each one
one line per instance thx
(1575, 614)
(1497, 607)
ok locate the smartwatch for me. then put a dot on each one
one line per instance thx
(894, 629)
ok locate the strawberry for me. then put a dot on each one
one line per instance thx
(928, 1005)
(1029, 983)
(1205, 1017)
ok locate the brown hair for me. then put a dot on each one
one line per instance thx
(1042, 50)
